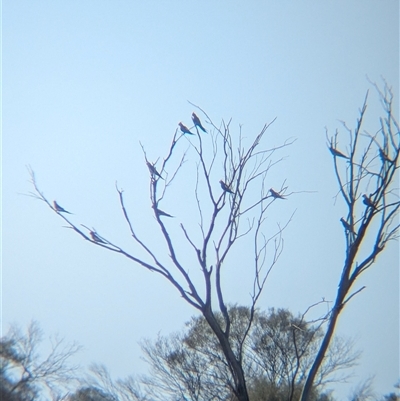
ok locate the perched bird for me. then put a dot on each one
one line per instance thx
(153, 170)
(185, 129)
(347, 226)
(161, 213)
(96, 238)
(367, 201)
(196, 121)
(59, 209)
(337, 153)
(384, 156)
(276, 195)
(225, 187)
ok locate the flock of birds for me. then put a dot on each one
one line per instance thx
(366, 200)
(196, 122)
(185, 130)
(225, 187)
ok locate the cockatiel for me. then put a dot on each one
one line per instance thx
(275, 194)
(367, 201)
(347, 226)
(384, 157)
(337, 153)
(96, 238)
(196, 122)
(153, 170)
(59, 209)
(225, 187)
(185, 129)
(161, 212)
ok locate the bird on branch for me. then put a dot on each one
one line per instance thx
(153, 170)
(337, 153)
(196, 121)
(185, 129)
(384, 156)
(160, 212)
(96, 238)
(276, 195)
(347, 226)
(225, 187)
(59, 209)
(367, 201)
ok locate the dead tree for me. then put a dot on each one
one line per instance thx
(232, 196)
(367, 174)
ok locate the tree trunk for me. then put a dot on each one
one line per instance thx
(235, 366)
(343, 289)
(320, 356)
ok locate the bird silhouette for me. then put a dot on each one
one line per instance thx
(153, 170)
(185, 129)
(347, 226)
(161, 212)
(196, 121)
(276, 195)
(337, 153)
(59, 209)
(96, 238)
(384, 156)
(367, 201)
(225, 187)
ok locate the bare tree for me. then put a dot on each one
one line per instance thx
(24, 375)
(367, 176)
(366, 172)
(364, 391)
(228, 211)
(98, 385)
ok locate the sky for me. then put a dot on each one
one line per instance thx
(85, 83)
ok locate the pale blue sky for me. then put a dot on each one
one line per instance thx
(85, 81)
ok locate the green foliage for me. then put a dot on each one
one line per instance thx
(260, 389)
(278, 350)
(91, 394)
(186, 366)
(11, 389)
(24, 375)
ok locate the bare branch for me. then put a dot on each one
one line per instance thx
(367, 187)
(227, 215)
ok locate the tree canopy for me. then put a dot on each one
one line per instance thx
(278, 352)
